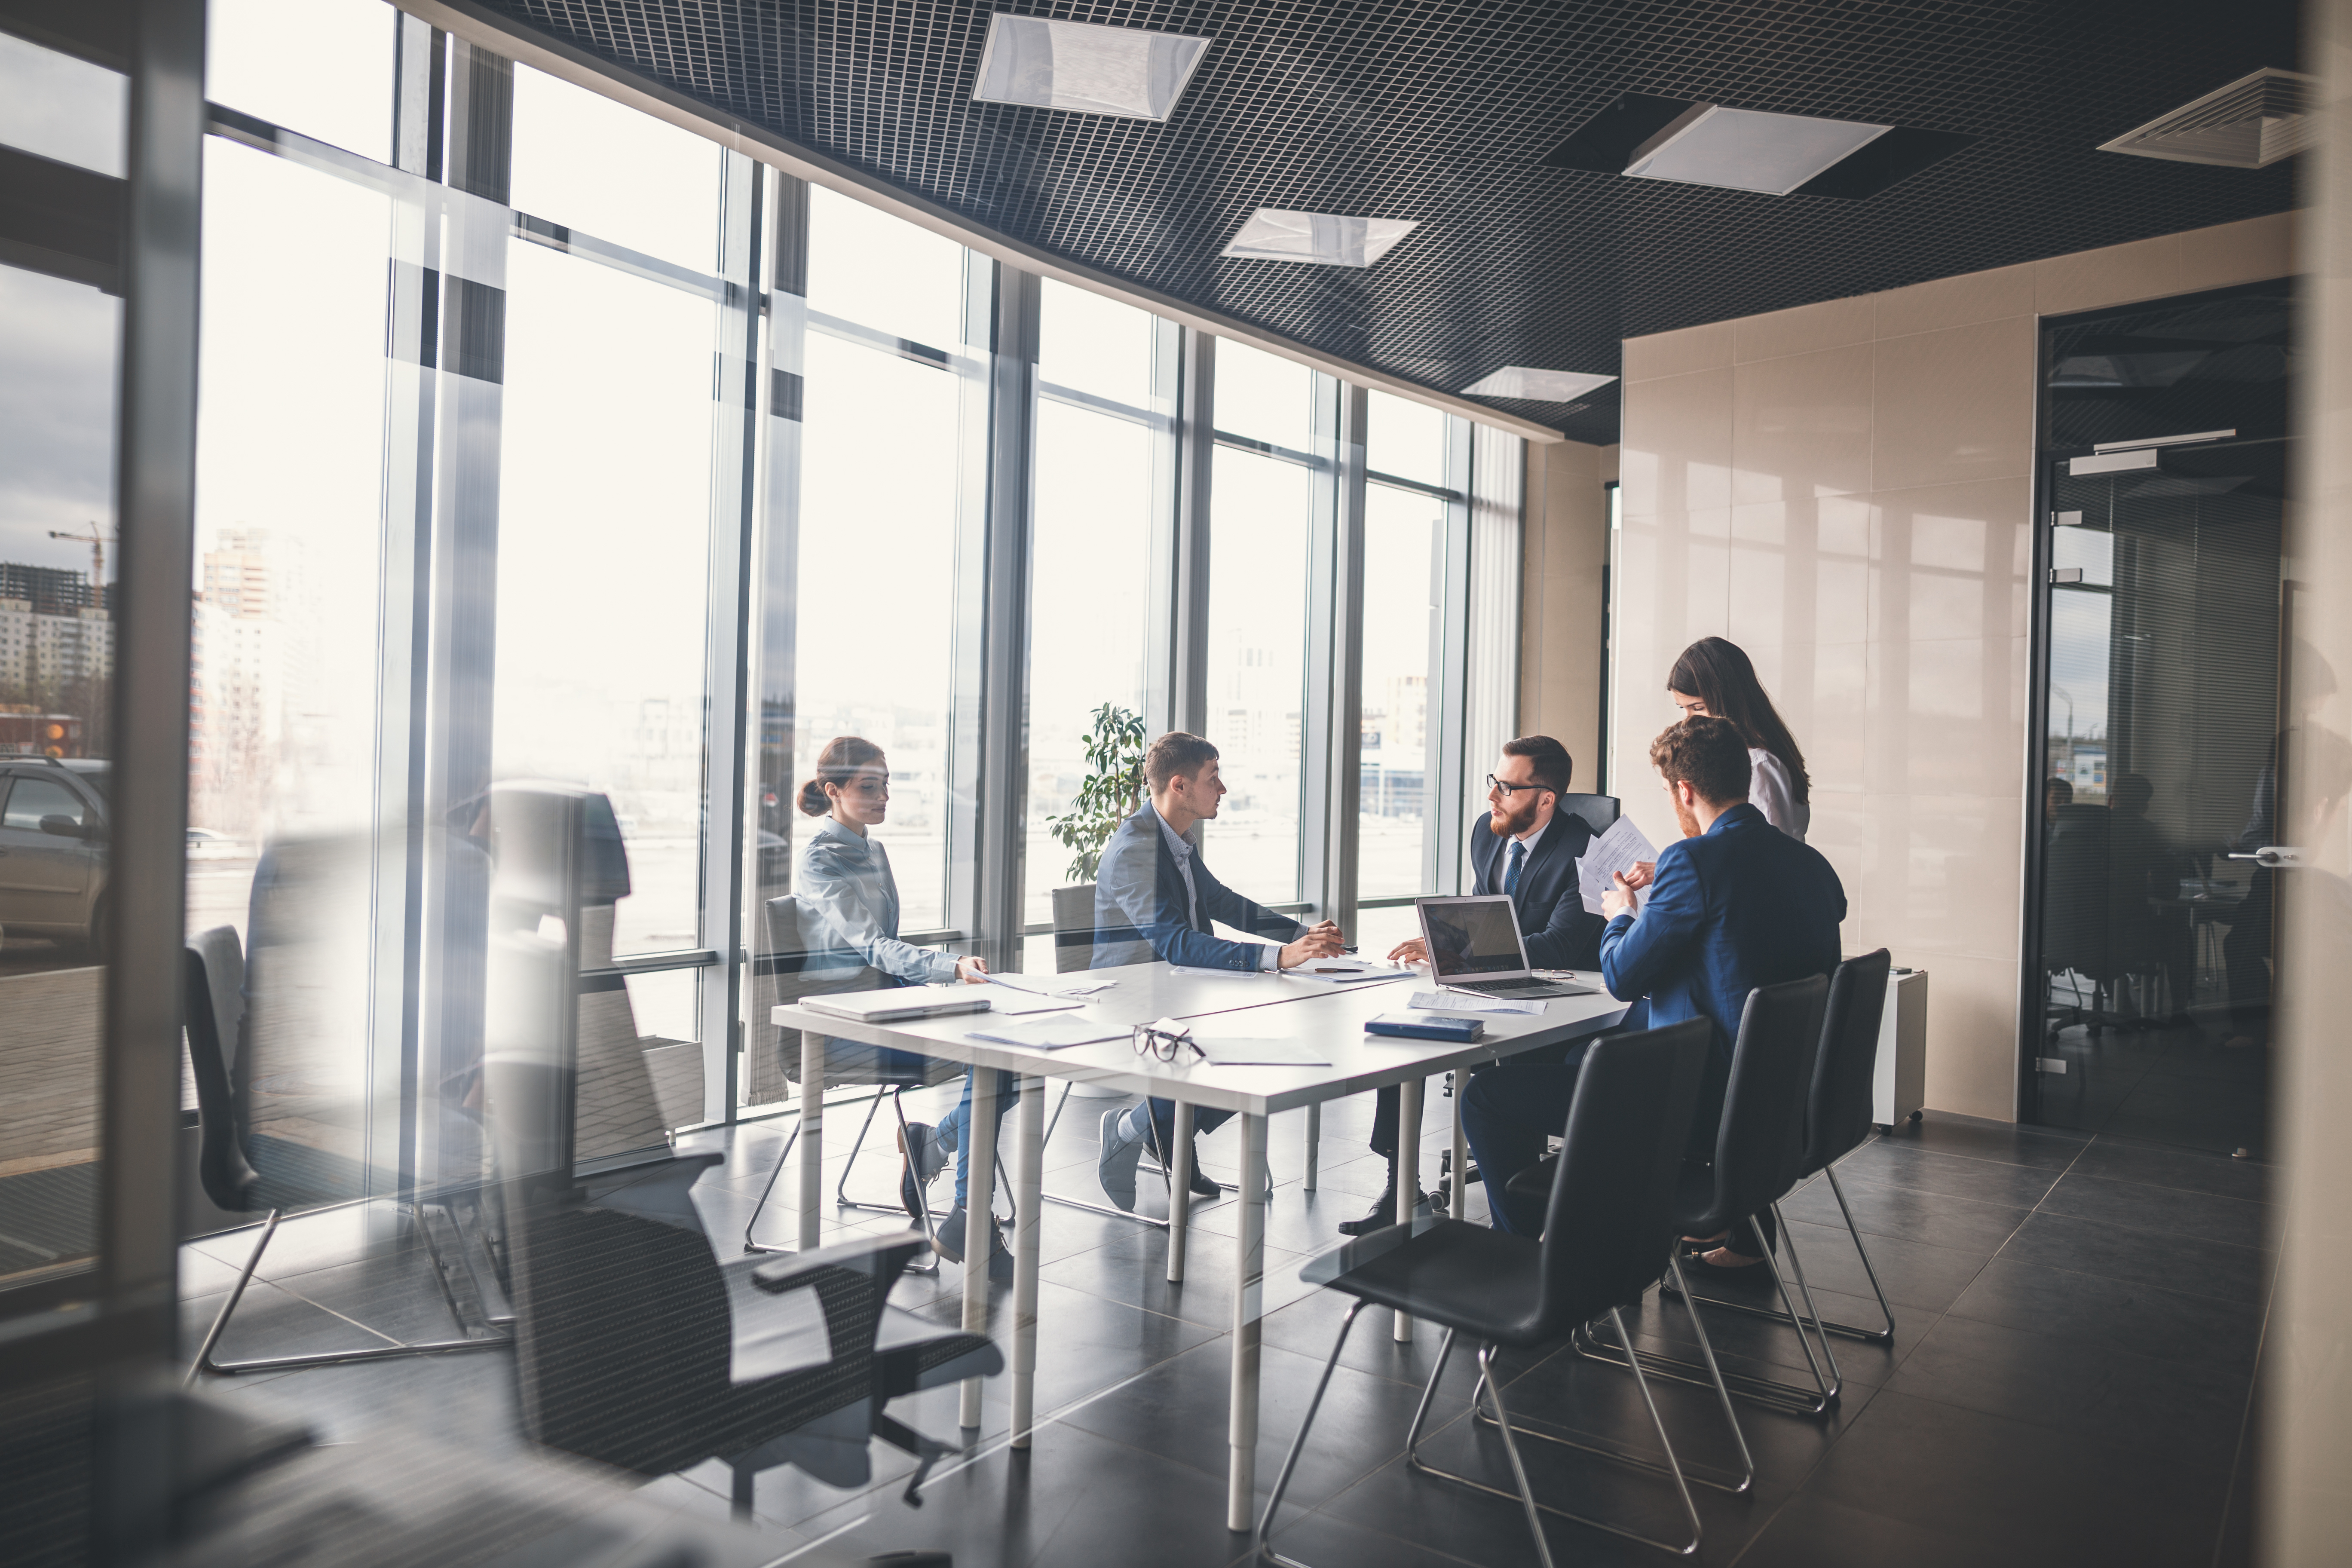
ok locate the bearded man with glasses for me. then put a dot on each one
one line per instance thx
(1527, 848)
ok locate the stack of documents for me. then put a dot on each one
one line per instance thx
(1621, 849)
(1470, 1002)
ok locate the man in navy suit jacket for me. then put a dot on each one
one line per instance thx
(1733, 905)
(1527, 848)
(1155, 898)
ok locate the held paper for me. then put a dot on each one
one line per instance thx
(1619, 850)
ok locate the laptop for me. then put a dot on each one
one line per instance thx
(901, 1003)
(1474, 946)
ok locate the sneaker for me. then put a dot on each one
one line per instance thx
(925, 1159)
(1120, 1150)
(949, 1244)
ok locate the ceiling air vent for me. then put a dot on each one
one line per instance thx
(2250, 125)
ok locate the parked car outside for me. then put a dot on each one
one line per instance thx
(53, 847)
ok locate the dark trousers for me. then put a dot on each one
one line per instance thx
(1163, 1121)
(2246, 951)
(1386, 1102)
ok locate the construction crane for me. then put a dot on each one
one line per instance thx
(96, 540)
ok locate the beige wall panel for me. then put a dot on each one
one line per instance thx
(1847, 491)
(1567, 544)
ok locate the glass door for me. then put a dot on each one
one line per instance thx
(2160, 641)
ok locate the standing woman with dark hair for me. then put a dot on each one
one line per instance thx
(843, 879)
(1714, 677)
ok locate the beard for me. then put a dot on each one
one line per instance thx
(1510, 820)
(1684, 819)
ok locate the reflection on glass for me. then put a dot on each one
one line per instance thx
(877, 509)
(1094, 345)
(587, 163)
(1264, 399)
(869, 267)
(1089, 597)
(603, 555)
(1257, 640)
(1402, 613)
(62, 108)
(320, 66)
(57, 357)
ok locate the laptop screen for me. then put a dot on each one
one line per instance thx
(1471, 937)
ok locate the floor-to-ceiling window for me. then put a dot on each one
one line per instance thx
(1101, 471)
(1269, 477)
(1403, 608)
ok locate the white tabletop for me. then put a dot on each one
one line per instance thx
(1326, 1019)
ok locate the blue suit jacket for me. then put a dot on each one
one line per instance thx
(1141, 912)
(1560, 932)
(1742, 905)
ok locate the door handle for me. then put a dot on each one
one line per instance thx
(2278, 856)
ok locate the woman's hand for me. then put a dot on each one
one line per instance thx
(972, 970)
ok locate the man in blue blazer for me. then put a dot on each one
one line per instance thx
(1733, 905)
(1155, 898)
(1527, 848)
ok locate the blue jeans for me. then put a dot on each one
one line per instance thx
(1163, 1121)
(955, 1123)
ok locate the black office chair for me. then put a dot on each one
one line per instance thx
(1608, 1237)
(244, 1174)
(1837, 1116)
(1759, 1148)
(1599, 812)
(804, 969)
(633, 1339)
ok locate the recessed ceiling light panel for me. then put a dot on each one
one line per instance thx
(1085, 68)
(2251, 123)
(1748, 148)
(1537, 385)
(1321, 238)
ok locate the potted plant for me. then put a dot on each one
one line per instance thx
(1111, 792)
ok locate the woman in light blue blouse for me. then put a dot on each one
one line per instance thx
(844, 882)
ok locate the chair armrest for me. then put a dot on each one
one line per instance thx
(881, 1258)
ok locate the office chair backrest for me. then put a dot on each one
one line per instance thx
(1760, 1144)
(1074, 928)
(1845, 1072)
(214, 976)
(1611, 1221)
(804, 966)
(1600, 812)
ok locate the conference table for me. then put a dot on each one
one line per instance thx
(1314, 1018)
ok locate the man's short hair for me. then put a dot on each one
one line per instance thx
(1548, 760)
(1175, 755)
(1707, 753)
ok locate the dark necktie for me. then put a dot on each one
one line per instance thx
(1511, 873)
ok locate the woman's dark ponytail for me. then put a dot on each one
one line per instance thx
(844, 757)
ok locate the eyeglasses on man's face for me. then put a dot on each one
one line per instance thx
(1166, 1043)
(1510, 789)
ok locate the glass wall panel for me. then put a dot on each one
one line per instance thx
(603, 555)
(1091, 578)
(1263, 508)
(876, 611)
(62, 108)
(878, 272)
(1264, 399)
(1406, 439)
(1403, 618)
(587, 163)
(58, 349)
(320, 66)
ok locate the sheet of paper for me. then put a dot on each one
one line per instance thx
(1014, 1004)
(1621, 849)
(1346, 971)
(1461, 1002)
(1051, 985)
(1052, 1033)
(1181, 969)
(1262, 1053)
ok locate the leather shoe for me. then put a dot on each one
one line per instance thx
(1384, 1215)
(950, 1243)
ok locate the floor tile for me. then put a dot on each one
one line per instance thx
(2144, 1207)
(2041, 1148)
(2126, 1160)
(2142, 1319)
(2145, 1258)
(1879, 1209)
(1898, 1164)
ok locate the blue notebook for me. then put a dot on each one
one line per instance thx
(1428, 1027)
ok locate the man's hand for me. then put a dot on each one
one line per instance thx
(1621, 899)
(972, 970)
(1321, 941)
(1643, 873)
(1411, 950)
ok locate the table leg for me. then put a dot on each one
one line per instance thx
(1314, 1143)
(1461, 1147)
(811, 1149)
(1408, 1162)
(1249, 1278)
(1028, 1186)
(979, 1195)
(1179, 1162)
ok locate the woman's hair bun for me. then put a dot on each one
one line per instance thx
(813, 801)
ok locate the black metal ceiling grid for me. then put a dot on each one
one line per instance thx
(1443, 113)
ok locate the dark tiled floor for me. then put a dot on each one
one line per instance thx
(2078, 1316)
